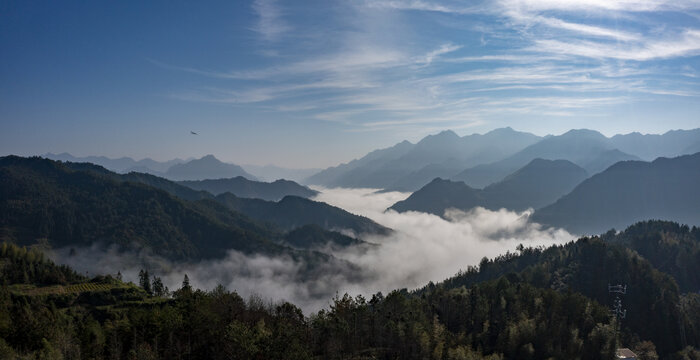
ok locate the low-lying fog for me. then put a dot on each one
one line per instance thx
(422, 248)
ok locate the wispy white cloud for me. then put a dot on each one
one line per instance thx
(584, 29)
(270, 23)
(555, 58)
(443, 49)
(602, 5)
(421, 6)
(681, 45)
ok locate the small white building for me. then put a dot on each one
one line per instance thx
(625, 353)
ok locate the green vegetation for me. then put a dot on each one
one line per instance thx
(535, 304)
(44, 199)
(80, 204)
(628, 192)
(242, 187)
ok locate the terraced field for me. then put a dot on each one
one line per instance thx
(30, 290)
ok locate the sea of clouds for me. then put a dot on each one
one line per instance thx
(422, 248)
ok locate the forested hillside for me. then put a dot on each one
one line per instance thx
(539, 183)
(80, 205)
(288, 213)
(535, 304)
(242, 187)
(628, 192)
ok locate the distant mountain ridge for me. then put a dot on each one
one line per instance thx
(81, 207)
(207, 167)
(272, 172)
(627, 192)
(120, 165)
(481, 160)
(537, 184)
(651, 146)
(286, 214)
(243, 187)
(80, 204)
(292, 212)
(389, 168)
(587, 148)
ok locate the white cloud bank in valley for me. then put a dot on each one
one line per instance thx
(422, 248)
(425, 247)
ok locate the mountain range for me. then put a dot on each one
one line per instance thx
(563, 196)
(293, 211)
(392, 168)
(243, 187)
(272, 172)
(481, 160)
(80, 204)
(627, 192)
(160, 168)
(537, 184)
(120, 165)
(208, 167)
(586, 148)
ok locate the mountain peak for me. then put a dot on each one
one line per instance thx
(583, 133)
(447, 134)
(441, 138)
(504, 130)
(207, 167)
(209, 157)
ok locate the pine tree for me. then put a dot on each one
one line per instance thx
(158, 288)
(186, 283)
(145, 282)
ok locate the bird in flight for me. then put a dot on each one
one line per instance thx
(193, 133)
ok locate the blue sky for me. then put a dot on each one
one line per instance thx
(314, 83)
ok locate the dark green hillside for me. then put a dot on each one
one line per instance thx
(286, 214)
(315, 237)
(587, 267)
(498, 319)
(672, 248)
(41, 198)
(242, 187)
(538, 304)
(538, 183)
(628, 192)
(440, 195)
(293, 211)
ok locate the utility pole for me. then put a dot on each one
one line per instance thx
(617, 311)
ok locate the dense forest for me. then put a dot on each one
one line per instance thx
(537, 303)
(80, 204)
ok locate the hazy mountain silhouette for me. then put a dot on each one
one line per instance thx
(692, 149)
(388, 168)
(371, 161)
(287, 214)
(120, 165)
(243, 187)
(293, 211)
(415, 180)
(314, 237)
(208, 167)
(586, 148)
(272, 172)
(80, 204)
(650, 146)
(71, 207)
(439, 195)
(144, 170)
(537, 184)
(628, 192)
